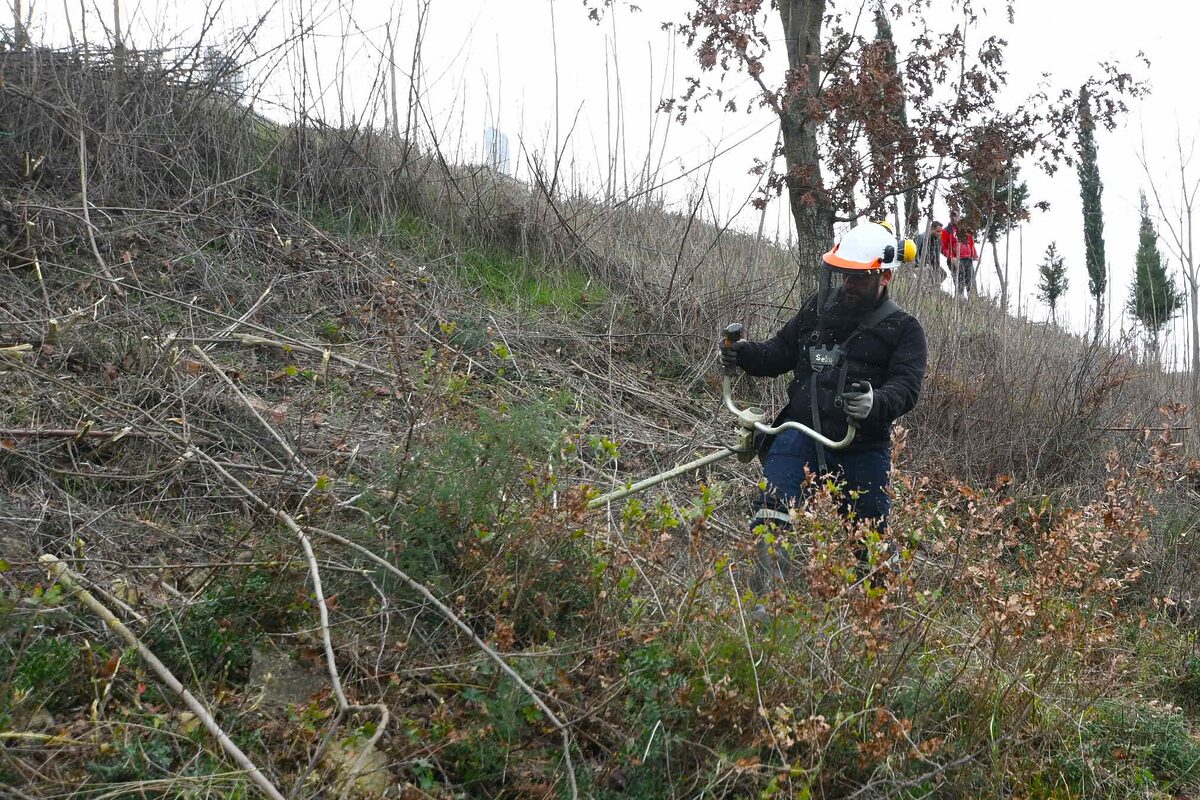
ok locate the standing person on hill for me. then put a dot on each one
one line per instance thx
(929, 261)
(958, 246)
(857, 358)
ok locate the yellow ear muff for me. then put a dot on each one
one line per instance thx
(910, 251)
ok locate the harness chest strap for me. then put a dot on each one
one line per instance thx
(885, 310)
(881, 312)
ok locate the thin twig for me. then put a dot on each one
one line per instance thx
(199, 351)
(762, 709)
(87, 218)
(335, 680)
(72, 433)
(418, 587)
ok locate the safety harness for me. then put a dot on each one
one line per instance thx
(825, 356)
(821, 358)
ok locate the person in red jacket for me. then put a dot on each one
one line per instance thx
(958, 246)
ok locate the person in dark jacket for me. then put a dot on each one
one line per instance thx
(856, 358)
(929, 251)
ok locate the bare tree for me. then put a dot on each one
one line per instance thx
(394, 115)
(20, 25)
(856, 131)
(1177, 214)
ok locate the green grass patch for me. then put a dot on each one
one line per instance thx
(511, 280)
(401, 229)
(501, 276)
(1133, 747)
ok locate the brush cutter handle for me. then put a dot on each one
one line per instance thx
(733, 334)
(752, 419)
(851, 430)
(857, 386)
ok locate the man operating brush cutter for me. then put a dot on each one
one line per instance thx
(858, 360)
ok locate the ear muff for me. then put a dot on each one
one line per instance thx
(910, 251)
(889, 254)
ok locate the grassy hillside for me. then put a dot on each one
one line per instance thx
(316, 414)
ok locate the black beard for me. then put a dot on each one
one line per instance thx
(846, 311)
(859, 302)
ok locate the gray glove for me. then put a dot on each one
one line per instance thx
(729, 354)
(857, 405)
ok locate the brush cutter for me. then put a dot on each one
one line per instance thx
(749, 423)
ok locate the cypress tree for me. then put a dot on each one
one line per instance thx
(1154, 299)
(1053, 283)
(1090, 189)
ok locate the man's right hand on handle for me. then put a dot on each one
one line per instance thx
(729, 353)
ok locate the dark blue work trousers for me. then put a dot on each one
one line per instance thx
(863, 477)
(864, 474)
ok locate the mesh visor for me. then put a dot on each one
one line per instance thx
(831, 278)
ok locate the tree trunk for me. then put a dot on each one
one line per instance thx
(118, 44)
(395, 116)
(20, 40)
(1194, 298)
(811, 211)
(1001, 277)
(912, 213)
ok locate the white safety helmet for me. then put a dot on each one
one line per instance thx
(870, 247)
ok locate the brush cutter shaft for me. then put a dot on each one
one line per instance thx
(724, 452)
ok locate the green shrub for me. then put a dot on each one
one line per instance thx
(146, 755)
(474, 504)
(52, 673)
(213, 638)
(467, 485)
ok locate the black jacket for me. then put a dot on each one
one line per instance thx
(891, 356)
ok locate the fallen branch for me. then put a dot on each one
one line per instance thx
(325, 353)
(15, 350)
(72, 433)
(118, 289)
(249, 312)
(8, 791)
(61, 573)
(1140, 429)
(453, 618)
(344, 705)
(44, 739)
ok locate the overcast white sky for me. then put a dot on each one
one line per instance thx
(550, 79)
